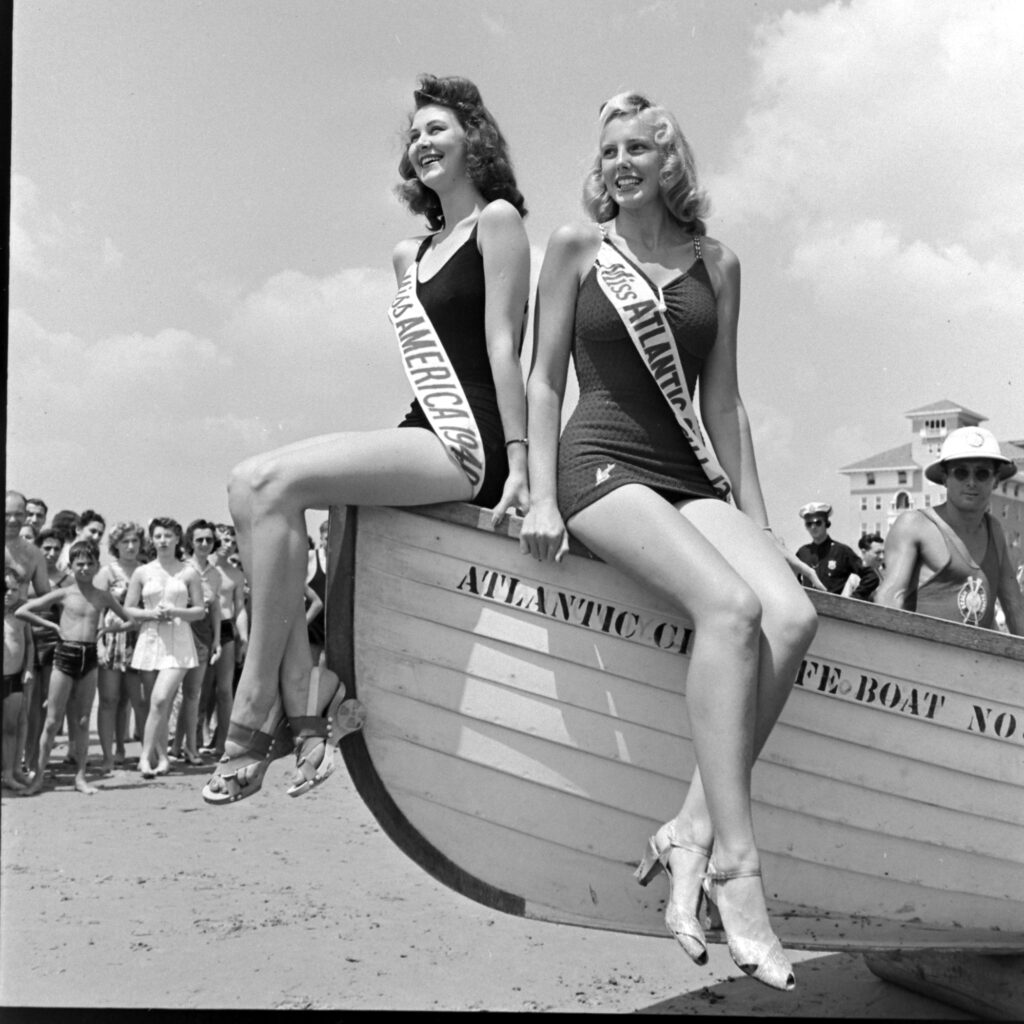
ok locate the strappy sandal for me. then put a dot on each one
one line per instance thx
(681, 923)
(324, 732)
(259, 748)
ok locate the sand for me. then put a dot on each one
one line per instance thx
(143, 896)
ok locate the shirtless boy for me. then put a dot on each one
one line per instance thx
(73, 679)
(18, 657)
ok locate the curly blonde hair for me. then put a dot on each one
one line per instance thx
(119, 531)
(686, 202)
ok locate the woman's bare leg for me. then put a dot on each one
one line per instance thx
(154, 740)
(730, 718)
(268, 498)
(106, 718)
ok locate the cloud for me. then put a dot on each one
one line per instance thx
(296, 357)
(907, 110)
(47, 246)
(867, 263)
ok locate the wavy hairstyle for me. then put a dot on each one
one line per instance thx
(119, 531)
(686, 202)
(168, 524)
(200, 524)
(488, 163)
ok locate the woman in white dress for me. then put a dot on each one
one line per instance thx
(164, 597)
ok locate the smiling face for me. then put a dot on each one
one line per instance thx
(91, 531)
(14, 516)
(874, 555)
(437, 146)
(630, 163)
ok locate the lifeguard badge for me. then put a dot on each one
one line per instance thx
(972, 600)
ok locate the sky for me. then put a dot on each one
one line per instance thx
(202, 217)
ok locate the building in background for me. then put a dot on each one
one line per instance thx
(884, 485)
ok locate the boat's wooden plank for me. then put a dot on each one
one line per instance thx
(829, 796)
(568, 871)
(990, 987)
(950, 634)
(585, 776)
(899, 671)
(537, 674)
(382, 595)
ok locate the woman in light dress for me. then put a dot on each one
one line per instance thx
(164, 596)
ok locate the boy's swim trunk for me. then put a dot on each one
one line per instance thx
(75, 658)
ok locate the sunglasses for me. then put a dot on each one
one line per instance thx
(980, 473)
(814, 522)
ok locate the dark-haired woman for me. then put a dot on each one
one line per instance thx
(164, 597)
(465, 287)
(648, 306)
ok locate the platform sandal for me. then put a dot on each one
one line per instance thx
(322, 732)
(258, 748)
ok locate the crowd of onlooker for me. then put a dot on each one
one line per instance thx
(153, 618)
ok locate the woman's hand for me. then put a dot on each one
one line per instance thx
(515, 497)
(544, 534)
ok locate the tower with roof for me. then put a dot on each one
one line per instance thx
(884, 485)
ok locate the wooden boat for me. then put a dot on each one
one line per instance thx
(526, 734)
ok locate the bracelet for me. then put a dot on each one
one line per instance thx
(518, 440)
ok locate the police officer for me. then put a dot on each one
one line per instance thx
(831, 561)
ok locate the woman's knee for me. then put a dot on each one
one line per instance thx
(793, 620)
(732, 608)
(262, 478)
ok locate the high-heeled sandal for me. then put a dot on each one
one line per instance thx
(764, 962)
(322, 731)
(259, 748)
(681, 923)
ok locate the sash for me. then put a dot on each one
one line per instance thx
(642, 316)
(434, 381)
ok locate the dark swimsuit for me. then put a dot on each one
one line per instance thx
(75, 658)
(622, 430)
(455, 299)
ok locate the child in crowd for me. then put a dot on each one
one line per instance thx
(18, 657)
(73, 679)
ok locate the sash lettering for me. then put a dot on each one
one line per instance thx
(434, 381)
(642, 316)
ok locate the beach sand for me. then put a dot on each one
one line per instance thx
(143, 896)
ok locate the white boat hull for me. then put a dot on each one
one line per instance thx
(527, 732)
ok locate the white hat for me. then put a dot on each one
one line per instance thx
(815, 508)
(970, 443)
